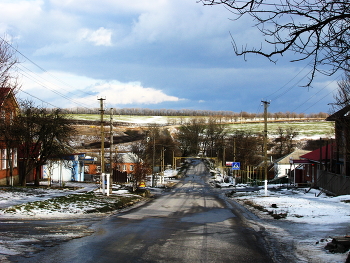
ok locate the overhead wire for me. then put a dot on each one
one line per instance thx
(40, 99)
(36, 80)
(27, 75)
(311, 97)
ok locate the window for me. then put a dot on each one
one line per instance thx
(131, 167)
(15, 157)
(11, 117)
(3, 159)
(124, 167)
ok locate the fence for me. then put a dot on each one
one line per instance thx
(334, 183)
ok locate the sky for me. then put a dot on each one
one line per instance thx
(159, 54)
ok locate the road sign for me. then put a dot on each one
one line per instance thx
(236, 166)
(228, 163)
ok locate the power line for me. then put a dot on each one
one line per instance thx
(52, 90)
(42, 69)
(290, 82)
(39, 99)
(318, 93)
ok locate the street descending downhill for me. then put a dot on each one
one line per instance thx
(189, 223)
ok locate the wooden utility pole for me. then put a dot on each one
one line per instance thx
(111, 143)
(154, 153)
(102, 136)
(266, 104)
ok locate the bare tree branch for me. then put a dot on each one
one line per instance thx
(313, 29)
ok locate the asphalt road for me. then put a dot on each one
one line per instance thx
(190, 223)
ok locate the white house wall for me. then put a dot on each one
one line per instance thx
(62, 173)
(280, 169)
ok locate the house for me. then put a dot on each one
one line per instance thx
(126, 162)
(306, 171)
(341, 151)
(91, 166)
(328, 168)
(65, 168)
(333, 170)
(125, 167)
(9, 108)
(284, 168)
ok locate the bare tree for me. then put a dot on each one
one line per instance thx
(8, 62)
(212, 140)
(40, 136)
(284, 142)
(189, 137)
(245, 147)
(141, 170)
(342, 97)
(313, 29)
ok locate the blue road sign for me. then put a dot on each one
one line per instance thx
(236, 166)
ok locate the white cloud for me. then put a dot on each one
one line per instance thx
(99, 37)
(131, 93)
(85, 91)
(115, 6)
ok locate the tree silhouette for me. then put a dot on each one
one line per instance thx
(316, 30)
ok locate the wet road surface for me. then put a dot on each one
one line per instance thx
(190, 223)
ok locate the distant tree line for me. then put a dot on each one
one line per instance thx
(228, 115)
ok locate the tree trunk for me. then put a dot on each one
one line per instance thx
(37, 176)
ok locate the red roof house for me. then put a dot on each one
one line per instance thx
(8, 153)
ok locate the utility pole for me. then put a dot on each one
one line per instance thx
(111, 143)
(154, 153)
(102, 137)
(234, 156)
(266, 104)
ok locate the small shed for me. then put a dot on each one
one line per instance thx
(284, 165)
(65, 168)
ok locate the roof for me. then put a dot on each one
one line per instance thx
(6, 93)
(129, 158)
(315, 155)
(342, 113)
(294, 155)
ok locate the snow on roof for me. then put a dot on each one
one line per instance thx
(129, 158)
(294, 155)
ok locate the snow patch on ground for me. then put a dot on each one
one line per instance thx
(310, 220)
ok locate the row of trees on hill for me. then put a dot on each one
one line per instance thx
(224, 115)
(198, 138)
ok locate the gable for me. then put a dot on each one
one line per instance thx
(8, 101)
(340, 114)
(294, 155)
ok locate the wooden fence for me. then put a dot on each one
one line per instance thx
(333, 183)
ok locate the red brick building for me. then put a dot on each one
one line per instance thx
(8, 110)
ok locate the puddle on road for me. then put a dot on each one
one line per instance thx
(211, 216)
